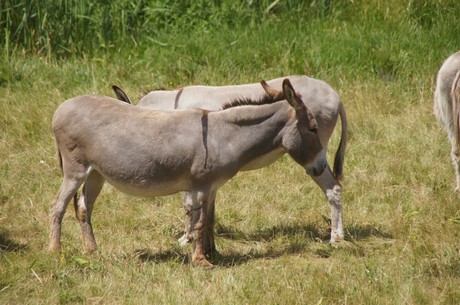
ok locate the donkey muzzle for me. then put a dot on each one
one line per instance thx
(318, 167)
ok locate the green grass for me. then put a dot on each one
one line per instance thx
(401, 215)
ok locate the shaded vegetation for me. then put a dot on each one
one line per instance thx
(8, 244)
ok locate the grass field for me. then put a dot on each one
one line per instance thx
(401, 214)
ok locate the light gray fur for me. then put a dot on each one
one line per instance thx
(317, 95)
(98, 139)
(444, 107)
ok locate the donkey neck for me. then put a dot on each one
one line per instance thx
(249, 137)
(254, 115)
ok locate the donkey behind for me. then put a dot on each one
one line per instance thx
(446, 107)
(186, 150)
(317, 95)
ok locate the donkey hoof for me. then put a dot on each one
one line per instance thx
(201, 261)
(54, 249)
(184, 240)
(336, 238)
(213, 253)
(90, 248)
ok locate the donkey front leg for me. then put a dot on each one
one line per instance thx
(209, 243)
(84, 207)
(333, 191)
(199, 226)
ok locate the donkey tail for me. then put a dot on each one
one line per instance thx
(340, 154)
(59, 156)
(455, 95)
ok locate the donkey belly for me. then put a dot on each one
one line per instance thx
(264, 160)
(149, 188)
(144, 179)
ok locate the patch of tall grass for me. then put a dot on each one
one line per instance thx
(63, 28)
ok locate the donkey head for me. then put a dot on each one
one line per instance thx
(302, 140)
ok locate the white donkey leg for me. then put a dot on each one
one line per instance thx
(68, 189)
(333, 191)
(84, 207)
(187, 203)
(456, 160)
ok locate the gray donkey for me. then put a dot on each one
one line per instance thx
(317, 95)
(446, 106)
(98, 138)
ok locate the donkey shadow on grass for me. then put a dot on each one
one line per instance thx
(8, 244)
(353, 232)
(309, 239)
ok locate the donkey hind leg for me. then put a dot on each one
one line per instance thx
(456, 160)
(333, 191)
(199, 227)
(209, 243)
(68, 189)
(187, 203)
(84, 207)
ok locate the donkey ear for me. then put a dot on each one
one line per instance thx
(121, 95)
(296, 102)
(276, 95)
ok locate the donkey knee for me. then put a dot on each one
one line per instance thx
(334, 195)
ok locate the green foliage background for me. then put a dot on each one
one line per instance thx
(360, 36)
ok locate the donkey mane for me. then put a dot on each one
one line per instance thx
(244, 101)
